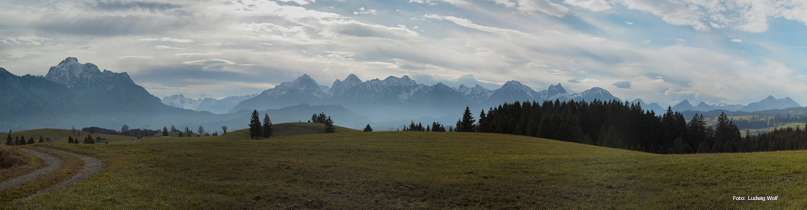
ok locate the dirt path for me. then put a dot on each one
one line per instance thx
(52, 162)
(91, 166)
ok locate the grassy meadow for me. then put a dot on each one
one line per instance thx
(419, 170)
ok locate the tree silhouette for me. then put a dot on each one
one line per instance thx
(224, 128)
(329, 128)
(165, 131)
(366, 129)
(255, 126)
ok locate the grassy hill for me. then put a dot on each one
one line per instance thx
(420, 170)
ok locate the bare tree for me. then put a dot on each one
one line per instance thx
(201, 130)
(224, 128)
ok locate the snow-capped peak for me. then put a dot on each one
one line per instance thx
(72, 73)
(301, 85)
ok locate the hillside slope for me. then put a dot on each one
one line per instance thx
(425, 171)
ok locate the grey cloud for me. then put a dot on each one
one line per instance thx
(113, 25)
(623, 84)
(187, 75)
(357, 29)
(120, 5)
(574, 81)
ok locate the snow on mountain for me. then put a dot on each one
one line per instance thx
(554, 92)
(728, 107)
(340, 87)
(477, 94)
(74, 74)
(301, 90)
(770, 103)
(180, 101)
(205, 104)
(592, 94)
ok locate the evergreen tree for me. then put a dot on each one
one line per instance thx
(9, 140)
(201, 130)
(368, 128)
(267, 126)
(41, 140)
(255, 126)
(180, 134)
(165, 131)
(703, 147)
(329, 128)
(609, 137)
(679, 147)
(467, 123)
(450, 129)
(428, 129)
(482, 124)
(22, 140)
(31, 140)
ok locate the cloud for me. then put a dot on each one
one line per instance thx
(139, 57)
(168, 39)
(196, 54)
(593, 5)
(362, 11)
(163, 47)
(133, 5)
(300, 2)
(111, 25)
(208, 62)
(544, 6)
(622, 84)
(736, 40)
(573, 81)
(629, 23)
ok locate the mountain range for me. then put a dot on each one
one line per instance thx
(81, 95)
(216, 106)
(398, 98)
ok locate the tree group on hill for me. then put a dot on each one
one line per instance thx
(256, 130)
(319, 118)
(624, 125)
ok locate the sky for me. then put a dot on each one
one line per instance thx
(664, 51)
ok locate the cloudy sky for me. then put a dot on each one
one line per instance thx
(659, 50)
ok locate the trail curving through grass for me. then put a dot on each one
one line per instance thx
(52, 162)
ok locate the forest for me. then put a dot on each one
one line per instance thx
(624, 125)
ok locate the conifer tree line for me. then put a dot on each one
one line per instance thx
(434, 127)
(627, 126)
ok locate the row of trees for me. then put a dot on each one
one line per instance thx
(624, 125)
(434, 127)
(256, 131)
(20, 140)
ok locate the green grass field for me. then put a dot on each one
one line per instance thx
(421, 170)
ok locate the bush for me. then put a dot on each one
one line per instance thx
(12, 156)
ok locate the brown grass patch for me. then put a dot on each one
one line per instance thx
(14, 162)
(70, 166)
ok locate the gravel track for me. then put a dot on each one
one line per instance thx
(91, 166)
(52, 162)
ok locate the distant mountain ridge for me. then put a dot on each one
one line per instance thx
(215, 106)
(378, 97)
